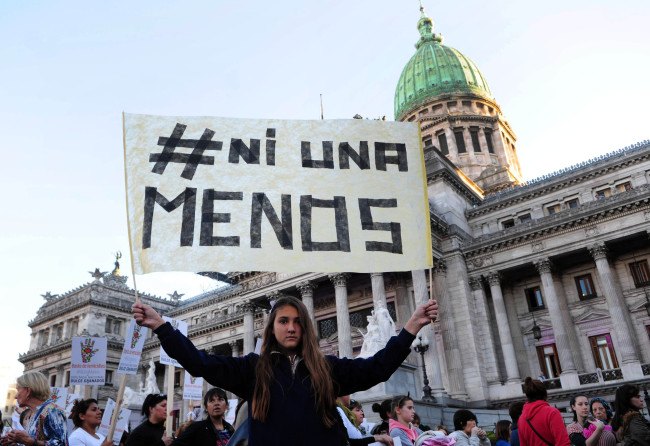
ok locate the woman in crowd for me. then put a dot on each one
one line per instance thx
(357, 409)
(152, 431)
(384, 411)
(48, 422)
(214, 430)
(291, 386)
(585, 430)
(514, 410)
(601, 410)
(400, 424)
(502, 432)
(540, 424)
(87, 417)
(630, 426)
(466, 432)
(350, 423)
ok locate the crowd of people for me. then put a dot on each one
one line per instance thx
(292, 394)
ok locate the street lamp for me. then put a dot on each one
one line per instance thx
(421, 345)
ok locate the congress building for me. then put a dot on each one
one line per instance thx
(547, 277)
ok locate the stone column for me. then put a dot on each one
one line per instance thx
(448, 330)
(431, 358)
(249, 327)
(501, 316)
(618, 311)
(306, 290)
(234, 347)
(560, 332)
(378, 291)
(490, 356)
(340, 282)
(403, 308)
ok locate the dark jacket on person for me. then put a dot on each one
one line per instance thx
(147, 434)
(292, 415)
(201, 433)
(635, 429)
(514, 435)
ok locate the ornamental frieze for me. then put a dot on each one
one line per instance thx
(258, 282)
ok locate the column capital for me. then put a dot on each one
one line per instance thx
(306, 286)
(475, 283)
(440, 267)
(544, 266)
(234, 345)
(248, 307)
(598, 251)
(494, 278)
(339, 279)
(376, 274)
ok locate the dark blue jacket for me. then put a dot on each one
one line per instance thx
(293, 417)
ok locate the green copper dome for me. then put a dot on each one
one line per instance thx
(433, 70)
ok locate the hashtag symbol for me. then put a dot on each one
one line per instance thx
(191, 160)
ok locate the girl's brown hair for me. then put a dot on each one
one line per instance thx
(502, 430)
(317, 366)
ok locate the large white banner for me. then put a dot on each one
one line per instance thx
(132, 350)
(180, 326)
(88, 361)
(193, 387)
(222, 194)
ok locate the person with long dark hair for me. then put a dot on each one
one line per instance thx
(152, 431)
(214, 430)
(586, 430)
(502, 432)
(630, 426)
(291, 386)
(87, 417)
(540, 424)
(383, 410)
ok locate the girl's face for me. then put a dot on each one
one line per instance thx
(158, 413)
(599, 411)
(637, 402)
(93, 416)
(358, 411)
(581, 407)
(287, 329)
(406, 413)
(217, 406)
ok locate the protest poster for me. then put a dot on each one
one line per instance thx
(107, 417)
(132, 350)
(88, 362)
(193, 387)
(232, 410)
(59, 396)
(180, 326)
(69, 402)
(223, 194)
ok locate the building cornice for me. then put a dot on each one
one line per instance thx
(569, 220)
(563, 178)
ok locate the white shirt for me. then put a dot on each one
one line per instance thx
(353, 432)
(80, 437)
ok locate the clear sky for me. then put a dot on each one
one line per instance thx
(571, 78)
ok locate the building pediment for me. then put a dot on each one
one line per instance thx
(591, 315)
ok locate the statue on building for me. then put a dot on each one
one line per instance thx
(380, 329)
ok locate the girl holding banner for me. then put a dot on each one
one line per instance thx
(291, 386)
